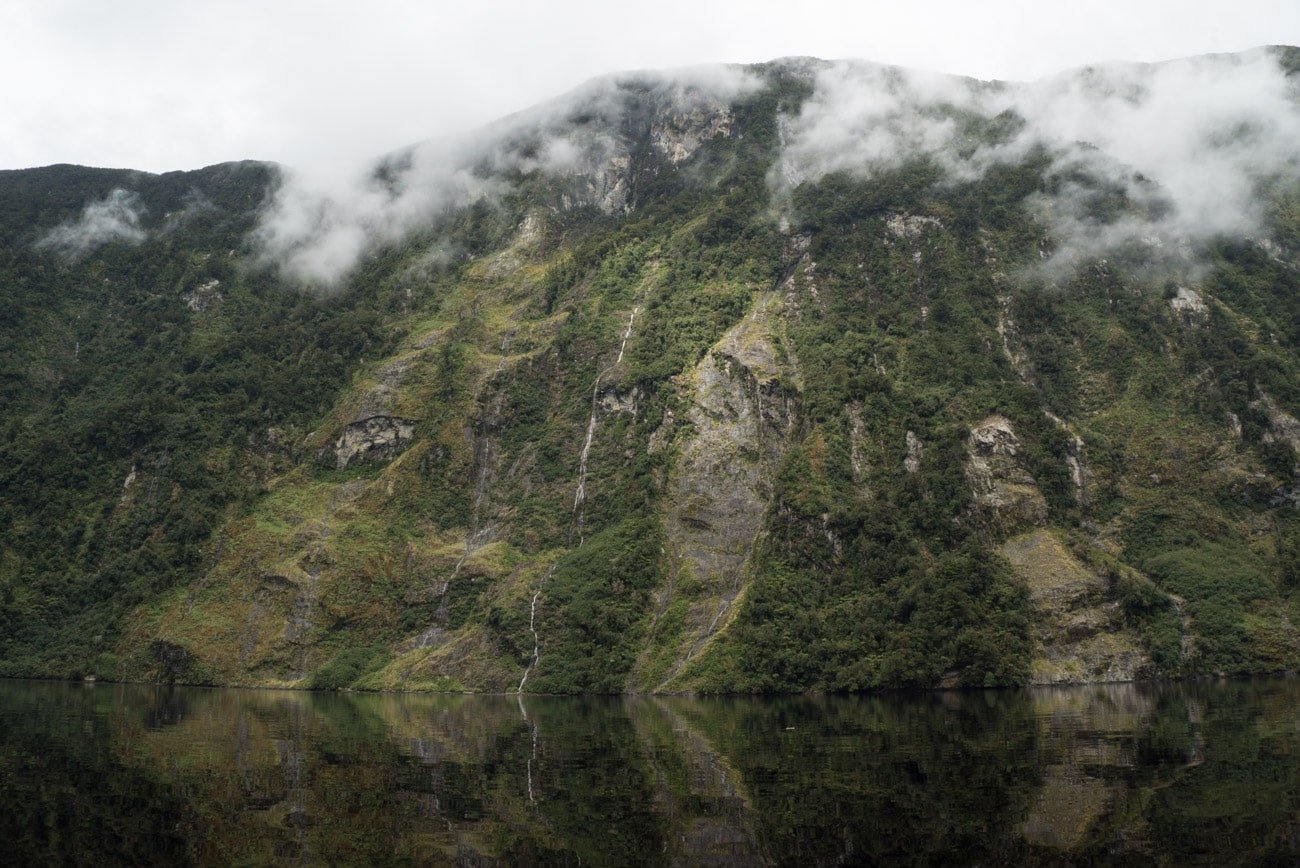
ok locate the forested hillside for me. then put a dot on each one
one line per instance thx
(804, 375)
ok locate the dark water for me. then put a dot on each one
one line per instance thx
(1176, 775)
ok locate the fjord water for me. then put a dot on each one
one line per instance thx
(1116, 774)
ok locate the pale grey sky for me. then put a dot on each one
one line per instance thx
(170, 84)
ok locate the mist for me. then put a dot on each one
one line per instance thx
(114, 218)
(1192, 144)
(1190, 147)
(320, 224)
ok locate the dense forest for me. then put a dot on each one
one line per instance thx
(676, 418)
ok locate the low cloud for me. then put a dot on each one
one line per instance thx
(319, 225)
(317, 228)
(114, 218)
(1189, 143)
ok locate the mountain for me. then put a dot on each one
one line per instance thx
(803, 375)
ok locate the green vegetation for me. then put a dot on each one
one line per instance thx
(168, 451)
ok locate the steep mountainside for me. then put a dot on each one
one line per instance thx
(798, 376)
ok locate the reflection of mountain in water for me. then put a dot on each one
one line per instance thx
(698, 792)
(1104, 773)
(1095, 760)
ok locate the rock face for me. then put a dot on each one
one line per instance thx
(1282, 426)
(377, 438)
(613, 401)
(1188, 304)
(1002, 486)
(676, 125)
(1078, 633)
(605, 186)
(173, 661)
(910, 227)
(741, 416)
(678, 130)
(915, 449)
(202, 296)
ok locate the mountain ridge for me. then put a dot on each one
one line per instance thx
(840, 380)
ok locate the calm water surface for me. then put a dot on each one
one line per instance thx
(1176, 775)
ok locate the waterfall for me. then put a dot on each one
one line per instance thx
(579, 498)
(580, 494)
(627, 333)
(532, 628)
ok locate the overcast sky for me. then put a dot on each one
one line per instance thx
(173, 84)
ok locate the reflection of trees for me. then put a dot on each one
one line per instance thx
(68, 800)
(884, 779)
(1244, 792)
(1110, 773)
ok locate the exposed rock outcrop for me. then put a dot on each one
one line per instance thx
(605, 185)
(678, 131)
(202, 296)
(1076, 459)
(742, 413)
(613, 401)
(915, 449)
(676, 124)
(910, 227)
(1189, 305)
(378, 438)
(1078, 633)
(1002, 487)
(173, 662)
(1282, 426)
(1012, 348)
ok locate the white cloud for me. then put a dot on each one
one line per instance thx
(1189, 141)
(320, 224)
(865, 118)
(114, 218)
(161, 84)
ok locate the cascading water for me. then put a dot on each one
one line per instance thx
(532, 628)
(627, 333)
(579, 495)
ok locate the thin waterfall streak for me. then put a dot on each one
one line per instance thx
(537, 639)
(627, 333)
(580, 494)
(532, 627)
(726, 604)
(480, 485)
